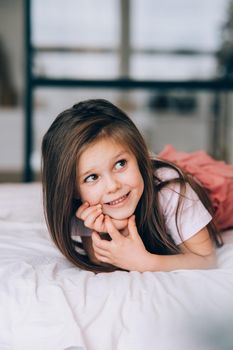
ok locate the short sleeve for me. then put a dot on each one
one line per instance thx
(192, 216)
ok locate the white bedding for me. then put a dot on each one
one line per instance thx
(46, 303)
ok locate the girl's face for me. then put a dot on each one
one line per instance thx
(108, 174)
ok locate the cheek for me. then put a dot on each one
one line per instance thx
(140, 187)
(90, 194)
(137, 182)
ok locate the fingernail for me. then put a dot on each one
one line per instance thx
(99, 206)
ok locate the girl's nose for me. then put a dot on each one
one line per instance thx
(112, 185)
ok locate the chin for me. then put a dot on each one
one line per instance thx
(120, 224)
(120, 216)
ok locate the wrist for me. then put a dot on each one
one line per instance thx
(151, 262)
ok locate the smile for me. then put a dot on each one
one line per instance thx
(119, 200)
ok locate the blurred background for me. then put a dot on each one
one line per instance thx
(167, 63)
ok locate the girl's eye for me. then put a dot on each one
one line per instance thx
(91, 178)
(120, 164)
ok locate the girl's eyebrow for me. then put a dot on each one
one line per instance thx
(120, 154)
(93, 169)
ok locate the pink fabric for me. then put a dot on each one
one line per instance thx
(216, 176)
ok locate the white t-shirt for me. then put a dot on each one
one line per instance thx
(192, 217)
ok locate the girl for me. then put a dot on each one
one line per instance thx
(132, 211)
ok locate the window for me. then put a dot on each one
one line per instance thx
(140, 39)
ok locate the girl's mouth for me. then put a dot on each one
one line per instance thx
(118, 200)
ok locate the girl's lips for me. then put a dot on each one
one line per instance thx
(118, 201)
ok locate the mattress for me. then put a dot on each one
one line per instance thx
(47, 303)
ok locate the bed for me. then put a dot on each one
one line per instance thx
(48, 304)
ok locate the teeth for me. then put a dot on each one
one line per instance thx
(118, 200)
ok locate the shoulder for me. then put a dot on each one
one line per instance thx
(174, 193)
(192, 215)
(169, 194)
(165, 173)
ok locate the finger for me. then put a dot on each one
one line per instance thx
(102, 252)
(80, 210)
(103, 259)
(133, 231)
(99, 222)
(91, 219)
(112, 231)
(100, 243)
(90, 211)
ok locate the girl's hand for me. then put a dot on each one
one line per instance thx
(94, 218)
(127, 253)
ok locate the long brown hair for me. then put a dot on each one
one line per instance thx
(69, 135)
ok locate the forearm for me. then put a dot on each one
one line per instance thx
(179, 262)
(198, 252)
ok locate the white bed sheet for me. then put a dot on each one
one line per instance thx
(46, 303)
